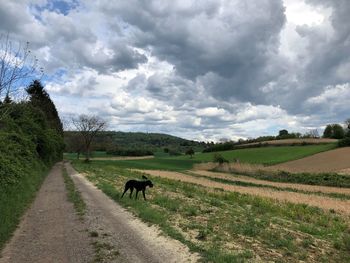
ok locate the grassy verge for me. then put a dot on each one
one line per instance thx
(15, 199)
(74, 195)
(230, 227)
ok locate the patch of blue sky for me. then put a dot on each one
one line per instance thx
(58, 6)
(56, 77)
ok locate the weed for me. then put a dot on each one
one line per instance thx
(93, 234)
(74, 195)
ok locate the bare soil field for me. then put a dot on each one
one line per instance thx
(327, 203)
(295, 141)
(337, 160)
(303, 187)
(121, 158)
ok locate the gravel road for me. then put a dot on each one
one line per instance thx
(50, 231)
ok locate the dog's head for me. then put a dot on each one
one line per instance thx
(149, 183)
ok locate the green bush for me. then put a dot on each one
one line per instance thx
(218, 158)
(344, 142)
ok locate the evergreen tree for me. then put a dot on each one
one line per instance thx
(41, 99)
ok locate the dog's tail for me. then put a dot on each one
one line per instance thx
(144, 177)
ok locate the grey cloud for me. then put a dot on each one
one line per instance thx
(71, 41)
(217, 42)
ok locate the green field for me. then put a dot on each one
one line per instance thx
(264, 155)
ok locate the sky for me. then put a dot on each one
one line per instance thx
(203, 70)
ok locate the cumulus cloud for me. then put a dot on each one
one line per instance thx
(199, 69)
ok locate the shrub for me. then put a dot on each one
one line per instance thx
(344, 142)
(218, 158)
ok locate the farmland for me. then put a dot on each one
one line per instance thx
(234, 218)
(266, 156)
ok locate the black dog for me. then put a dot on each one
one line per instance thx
(138, 185)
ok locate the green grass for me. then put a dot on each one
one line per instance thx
(265, 155)
(158, 164)
(229, 227)
(74, 195)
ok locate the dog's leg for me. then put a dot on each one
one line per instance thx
(137, 192)
(125, 190)
(131, 190)
(144, 196)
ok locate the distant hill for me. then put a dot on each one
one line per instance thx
(125, 141)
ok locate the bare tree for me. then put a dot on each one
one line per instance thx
(16, 64)
(88, 127)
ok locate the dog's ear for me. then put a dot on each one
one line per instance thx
(144, 177)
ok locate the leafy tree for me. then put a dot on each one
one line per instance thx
(334, 131)
(328, 131)
(190, 152)
(88, 127)
(282, 133)
(338, 131)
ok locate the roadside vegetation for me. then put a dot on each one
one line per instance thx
(74, 195)
(229, 227)
(31, 141)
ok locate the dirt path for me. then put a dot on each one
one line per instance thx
(329, 161)
(341, 206)
(50, 230)
(122, 158)
(304, 187)
(135, 241)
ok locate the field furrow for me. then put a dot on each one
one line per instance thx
(303, 187)
(327, 203)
